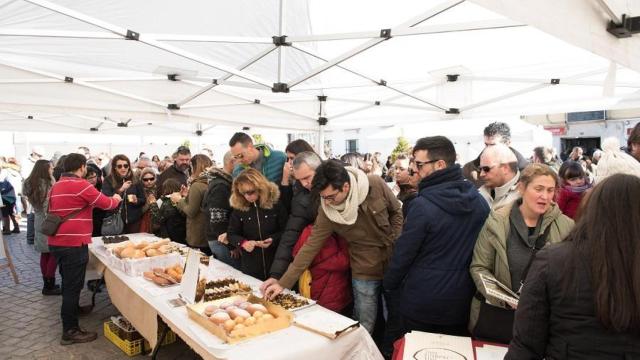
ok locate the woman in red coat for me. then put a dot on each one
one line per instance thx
(575, 184)
(330, 272)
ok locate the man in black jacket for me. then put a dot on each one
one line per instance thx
(179, 170)
(304, 210)
(216, 208)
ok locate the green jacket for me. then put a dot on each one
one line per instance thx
(196, 220)
(272, 164)
(490, 252)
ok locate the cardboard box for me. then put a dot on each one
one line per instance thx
(282, 319)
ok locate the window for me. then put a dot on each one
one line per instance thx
(352, 145)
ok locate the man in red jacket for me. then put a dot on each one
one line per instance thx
(69, 246)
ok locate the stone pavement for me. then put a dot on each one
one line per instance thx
(30, 325)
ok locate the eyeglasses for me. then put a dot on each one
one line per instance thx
(122, 166)
(238, 156)
(148, 179)
(420, 164)
(248, 192)
(331, 197)
(485, 169)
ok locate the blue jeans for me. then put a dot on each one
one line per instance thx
(365, 301)
(222, 253)
(31, 228)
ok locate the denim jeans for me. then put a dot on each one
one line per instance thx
(73, 265)
(31, 228)
(222, 253)
(365, 301)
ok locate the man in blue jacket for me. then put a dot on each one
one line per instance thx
(429, 269)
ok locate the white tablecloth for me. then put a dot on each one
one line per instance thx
(290, 343)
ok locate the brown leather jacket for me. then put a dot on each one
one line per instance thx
(370, 239)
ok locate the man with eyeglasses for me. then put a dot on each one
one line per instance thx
(494, 133)
(179, 170)
(407, 180)
(363, 210)
(259, 156)
(500, 174)
(429, 271)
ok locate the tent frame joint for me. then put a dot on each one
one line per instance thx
(628, 26)
(555, 81)
(173, 107)
(452, 77)
(382, 82)
(281, 40)
(68, 79)
(132, 35)
(322, 121)
(385, 33)
(172, 77)
(452, 111)
(280, 87)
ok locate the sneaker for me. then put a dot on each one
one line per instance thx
(77, 335)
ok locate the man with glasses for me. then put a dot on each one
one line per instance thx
(429, 271)
(500, 174)
(407, 181)
(259, 156)
(363, 210)
(179, 170)
(494, 133)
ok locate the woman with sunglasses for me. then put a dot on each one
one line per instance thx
(256, 222)
(189, 201)
(507, 244)
(120, 181)
(148, 181)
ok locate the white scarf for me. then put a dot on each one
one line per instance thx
(347, 212)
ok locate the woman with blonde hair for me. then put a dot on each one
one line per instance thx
(189, 199)
(256, 223)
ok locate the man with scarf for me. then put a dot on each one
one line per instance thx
(364, 211)
(429, 270)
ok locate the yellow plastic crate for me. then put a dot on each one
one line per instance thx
(131, 348)
(135, 347)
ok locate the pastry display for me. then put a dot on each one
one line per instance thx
(129, 250)
(290, 301)
(233, 317)
(223, 288)
(165, 276)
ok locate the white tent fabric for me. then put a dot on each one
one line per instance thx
(168, 67)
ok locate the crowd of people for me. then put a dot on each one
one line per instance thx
(406, 244)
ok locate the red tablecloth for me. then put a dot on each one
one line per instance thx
(398, 347)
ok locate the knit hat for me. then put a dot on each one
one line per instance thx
(615, 161)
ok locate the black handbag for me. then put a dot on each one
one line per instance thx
(113, 224)
(495, 323)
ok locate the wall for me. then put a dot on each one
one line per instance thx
(601, 129)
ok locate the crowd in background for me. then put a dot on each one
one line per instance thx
(403, 244)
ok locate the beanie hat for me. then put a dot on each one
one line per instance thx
(615, 161)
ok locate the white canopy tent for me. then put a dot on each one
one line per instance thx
(167, 67)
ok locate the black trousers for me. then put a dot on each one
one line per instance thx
(73, 265)
(394, 328)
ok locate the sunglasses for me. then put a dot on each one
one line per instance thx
(248, 193)
(485, 169)
(122, 166)
(148, 179)
(420, 164)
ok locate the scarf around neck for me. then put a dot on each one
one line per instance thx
(347, 212)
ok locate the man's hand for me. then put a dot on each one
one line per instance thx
(271, 288)
(175, 197)
(286, 172)
(117, 197)
(248, 245)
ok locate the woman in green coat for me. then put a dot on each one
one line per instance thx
(506, 244)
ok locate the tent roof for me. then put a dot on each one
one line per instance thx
(180, 67)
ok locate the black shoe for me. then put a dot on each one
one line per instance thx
(6, 232)
(52, 291)
(16, 231)
(77, 335)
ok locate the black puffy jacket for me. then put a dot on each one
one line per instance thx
(215, 204)
(257, 224)
(304, 210)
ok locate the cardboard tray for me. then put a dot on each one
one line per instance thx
(282, 319)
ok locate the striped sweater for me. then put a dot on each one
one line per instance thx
(72, 193)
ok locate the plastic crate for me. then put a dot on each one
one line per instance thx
(131, 348)
(135, 347)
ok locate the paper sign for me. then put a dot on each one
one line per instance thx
(190, 278)
(426, 346)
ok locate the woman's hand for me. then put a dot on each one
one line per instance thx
(265, 243)
(151, 199)
(125, 185)
(175, 197)
(223, 239)
(184, 190)
(249, 245)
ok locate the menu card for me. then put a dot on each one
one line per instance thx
(426, 346)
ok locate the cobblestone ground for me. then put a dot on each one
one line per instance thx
(30, 325)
